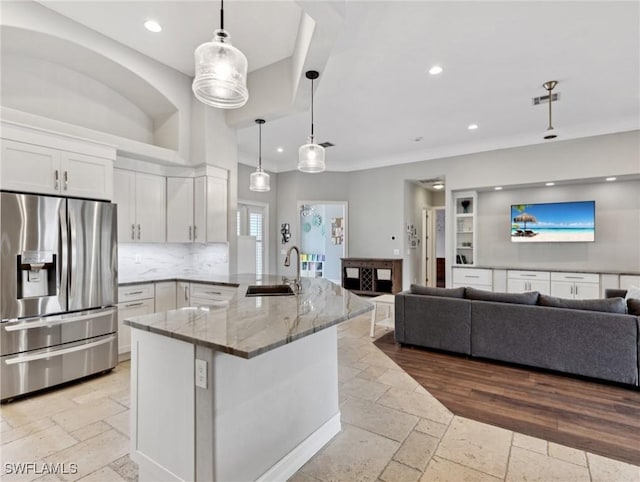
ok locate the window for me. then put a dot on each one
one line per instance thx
(250, 221)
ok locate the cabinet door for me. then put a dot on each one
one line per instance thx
(586, 291)
(30, 168)
(182, 294)
(517, 285)
(540, 286)
(127, 310)
(216, 210)
(179, 210)
(165, 296)
(200, 209)
(86, 176)
(124, 195)
(151, 220)
(562, 289)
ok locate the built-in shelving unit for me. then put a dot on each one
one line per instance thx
(465, 234)
(312, 265)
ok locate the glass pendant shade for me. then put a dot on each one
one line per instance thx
(221, 73)
(311, 158)
(259, 181)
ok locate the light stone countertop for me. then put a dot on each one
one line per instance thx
(555, 270)
(248, 326)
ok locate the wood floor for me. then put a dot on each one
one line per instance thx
(596, 417)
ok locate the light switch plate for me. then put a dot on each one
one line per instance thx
(201, 373)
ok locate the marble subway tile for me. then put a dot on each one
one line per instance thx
(477, 445)
(377, 419)
(528, 466)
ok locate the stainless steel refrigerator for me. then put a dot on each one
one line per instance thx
(58, 290)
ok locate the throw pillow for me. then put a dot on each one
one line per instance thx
(608, 305)
(446, 292)
(633, 292)
(529, 298)
(633, 306)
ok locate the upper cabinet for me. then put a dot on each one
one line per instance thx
(465, 235)
(41, 169)
(141, 204)
(197, 209)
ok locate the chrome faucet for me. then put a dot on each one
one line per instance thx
(287, 262)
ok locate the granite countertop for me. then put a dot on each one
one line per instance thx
(248, 326)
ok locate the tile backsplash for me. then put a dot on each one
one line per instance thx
(155, 261)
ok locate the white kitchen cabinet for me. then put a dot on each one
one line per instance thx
(523, 281)
(133, 300)
(202, 294)
(165, 296)
(216, 209)
(628, 280)
(141, 206)
(182, 294)
(579, 286)
(180, 219)
(44, 170)
(479, 278)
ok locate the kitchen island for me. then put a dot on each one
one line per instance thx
(246, 389)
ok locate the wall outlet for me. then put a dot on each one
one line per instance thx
(201, 373)
(138, 259)
(225, 258)
(396, 252)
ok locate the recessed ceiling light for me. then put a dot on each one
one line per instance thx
(550, 184)
(498, 188)
(472, 127)
(435, 70)
(610, 179)
(153, 26)
(280, 149)
(438, 185)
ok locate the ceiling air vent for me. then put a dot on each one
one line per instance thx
(326, 144)
(544, 99)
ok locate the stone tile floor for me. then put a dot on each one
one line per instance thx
(393, 430)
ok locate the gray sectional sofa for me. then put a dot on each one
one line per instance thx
(592, 338)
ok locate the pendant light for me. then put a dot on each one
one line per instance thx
(311, 155)
(221, 71)
(259, 180)
(551, 132)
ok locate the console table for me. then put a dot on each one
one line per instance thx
(372, 276)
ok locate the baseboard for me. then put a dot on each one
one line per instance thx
(300, 455)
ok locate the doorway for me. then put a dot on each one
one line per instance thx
(433, 254)
(323, 238)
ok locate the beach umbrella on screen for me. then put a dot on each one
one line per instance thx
(525, 218)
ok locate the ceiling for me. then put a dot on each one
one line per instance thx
(375, 99)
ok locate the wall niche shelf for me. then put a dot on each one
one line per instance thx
(465, 232)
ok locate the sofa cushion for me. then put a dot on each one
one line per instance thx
(519, 298)
(447, 292)
(607, 305)
(633, 306)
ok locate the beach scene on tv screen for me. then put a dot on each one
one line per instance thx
(553, 222)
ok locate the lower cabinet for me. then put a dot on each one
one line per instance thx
(205, 294)
(478, 278)
(578, 286)
(165, 296)
(182, 294)
(134, 300)
(523, 281)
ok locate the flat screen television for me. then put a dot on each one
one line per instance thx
(553, 222)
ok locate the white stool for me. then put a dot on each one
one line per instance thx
(389, 301)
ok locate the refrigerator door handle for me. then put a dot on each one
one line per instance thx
(52, 353)
(45, 322)
(63, 255)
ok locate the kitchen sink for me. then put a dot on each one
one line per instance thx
(269, 290)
